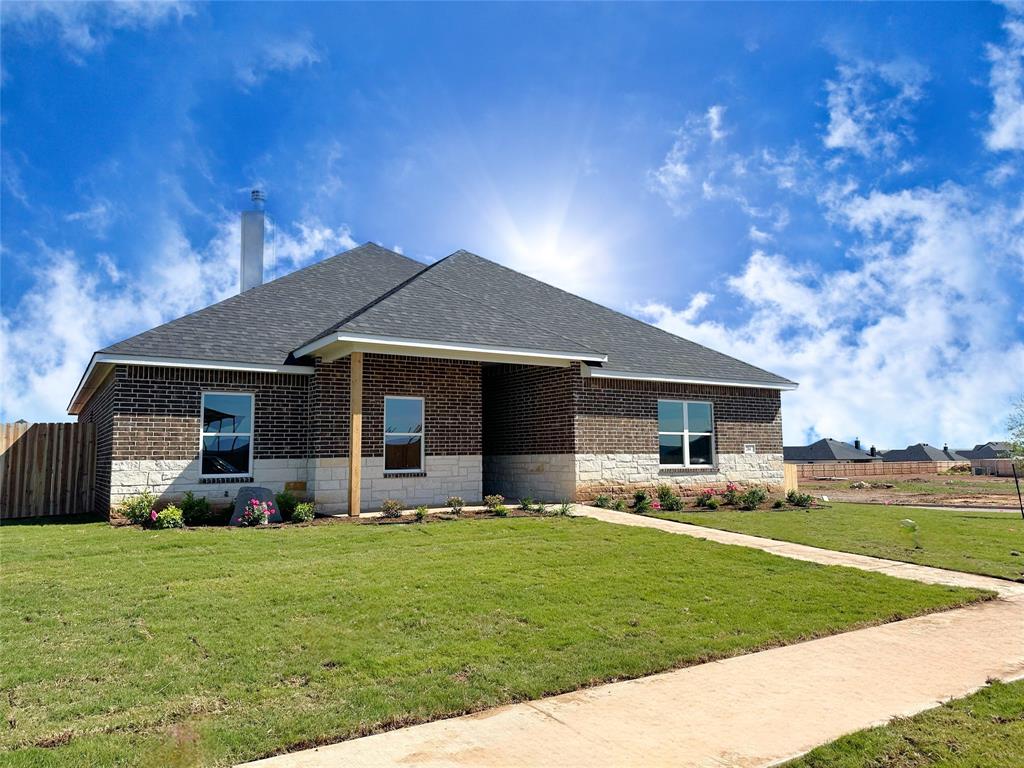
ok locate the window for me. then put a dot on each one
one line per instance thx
(685, 434)
(226, 445)
(403, 434)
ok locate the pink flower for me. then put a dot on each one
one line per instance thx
(152, 514)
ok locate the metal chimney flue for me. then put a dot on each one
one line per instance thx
(253, 233)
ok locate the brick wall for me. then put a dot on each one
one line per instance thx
(157, 411)
(328, 408)
(100, 412)
(527, 410)
(452, 404)
(621, 416)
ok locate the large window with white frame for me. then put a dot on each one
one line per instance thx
(686, 436)
(403, 434)
(226, 441)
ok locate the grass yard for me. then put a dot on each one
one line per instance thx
(129, 647)
(985, 730)
(975, 542)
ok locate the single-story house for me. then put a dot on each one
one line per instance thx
(993, 449)
(923, 452)
(370, 375)
(829, 450)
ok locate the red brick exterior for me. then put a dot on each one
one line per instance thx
(621, 416)
(99, 411)
(528, 409)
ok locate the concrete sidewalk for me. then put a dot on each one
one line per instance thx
(752, 710)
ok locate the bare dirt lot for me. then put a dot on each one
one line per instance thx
(953, 490)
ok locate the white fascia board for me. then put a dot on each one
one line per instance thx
(106, 360)
(601, 373)
(392, 341)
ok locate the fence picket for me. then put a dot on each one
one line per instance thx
(46, 469)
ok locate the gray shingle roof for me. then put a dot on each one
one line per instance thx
(460, 299)
(265, 324)
(826, 450)
(922, 452)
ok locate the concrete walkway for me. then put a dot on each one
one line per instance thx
(752, 710)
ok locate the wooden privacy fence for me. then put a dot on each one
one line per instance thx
(871, 468)
(46, 470)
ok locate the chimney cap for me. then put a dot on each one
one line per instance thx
(257, 195)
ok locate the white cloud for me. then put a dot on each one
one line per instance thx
(97, 217)
(1006, 122)
(715, 116)
(70, 311)
(914, 341)
(869, 106)
(673, 179)
(276, 56)
(84, 28)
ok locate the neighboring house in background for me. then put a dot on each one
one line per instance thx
(459, 378)
(923, 452)
(827, 450)
(990, 450)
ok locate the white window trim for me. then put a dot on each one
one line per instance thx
(422, 434)
(686, 434)
(250, 434)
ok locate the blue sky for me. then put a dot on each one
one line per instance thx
(832, 191)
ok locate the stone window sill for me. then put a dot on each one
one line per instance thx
(224, 480)
(687, 471)
(405, 474)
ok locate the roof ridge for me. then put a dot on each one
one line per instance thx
(621, 314)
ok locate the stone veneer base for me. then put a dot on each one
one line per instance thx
(540, 476)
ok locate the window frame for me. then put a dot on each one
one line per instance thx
(686, 434)
(422, 434)
(203, 434)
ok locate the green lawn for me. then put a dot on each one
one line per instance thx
(985, 730)
(976, 542)
(130, 647)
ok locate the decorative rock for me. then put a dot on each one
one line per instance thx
(248, 492)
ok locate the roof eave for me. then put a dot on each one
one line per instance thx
(604, 373)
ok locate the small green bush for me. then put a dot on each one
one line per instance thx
(642, 503)
(669, 499)
(602, 502)
(704, 496)
(499, 510)
(391, 508)
(619, 505)
(286, 504)
(168, 517)
(799, 499)
(494, 501)
(136, 509)
(526, 504)
(304, 512)
(732, 494)
(752, 498)
(195, 510)
(421, 513)
(540, 508)
(455, 504)
(564, 509)
(712, 503)
(778, 504)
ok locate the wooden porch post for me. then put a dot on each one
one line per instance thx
(355, 442)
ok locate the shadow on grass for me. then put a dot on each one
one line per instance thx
(54, 520)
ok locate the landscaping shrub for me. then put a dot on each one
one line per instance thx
(539, 507)
(642, 503)
(391, 508)
(602, 502)
(137, 509)
(752, 498)
(731, 495)
(499, 510)
(494, 501)
(421, 513)
(668, 499)
(304, 512)
(778, 504)
(526, 504)
(704, 496)
(256, 512)
(712, 503)
(195, 510)
(168, 517)
(286, 504)
(455, 504)
(564, 509)
(619, 505)
(799, 499)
